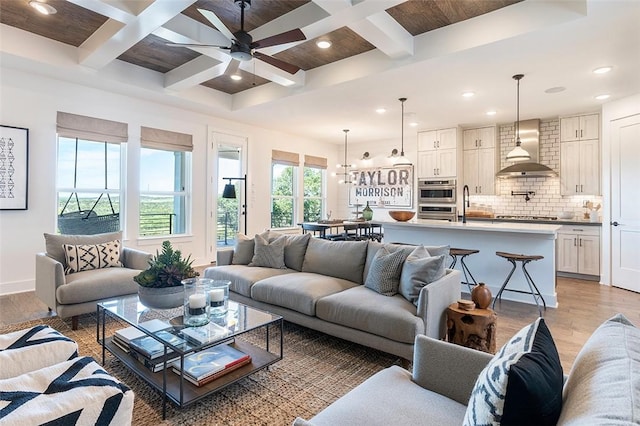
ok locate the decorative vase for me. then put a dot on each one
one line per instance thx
(481, 295)
(161, 297)
(367, 213)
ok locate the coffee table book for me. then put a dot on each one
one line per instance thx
(125, 335)
(205, 334)
(200, 365)
(152, 348)
(214, 376)
(157, 364)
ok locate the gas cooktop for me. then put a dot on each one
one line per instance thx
(516, 217)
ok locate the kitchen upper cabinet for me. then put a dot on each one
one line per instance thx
(438, 139)
(578, 250)
(483, 137)
(580, 167)
(437, 163)
(479, 160)
(580, 127)
(437, 153)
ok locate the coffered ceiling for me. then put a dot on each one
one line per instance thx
(427, 50)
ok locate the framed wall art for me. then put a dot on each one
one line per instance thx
(382, 187)
(14, 167)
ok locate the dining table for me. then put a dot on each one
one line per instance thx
(337, 229)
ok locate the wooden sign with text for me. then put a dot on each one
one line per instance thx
(382, 187)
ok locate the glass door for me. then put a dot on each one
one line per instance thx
(230, 212)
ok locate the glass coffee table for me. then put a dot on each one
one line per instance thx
(239, 319)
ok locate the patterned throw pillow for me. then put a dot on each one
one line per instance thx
(91, 256)
(384, 274)
(522, 384)
(269, 254)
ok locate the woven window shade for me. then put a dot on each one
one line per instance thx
(89, 128)
(284, 157)
(315, 162)
(165, 140)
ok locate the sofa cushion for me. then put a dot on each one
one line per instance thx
(243, 277)
(54, 243)
(420, 269)
(522, 384)
(33, 348)
(406, 249)
(269, 254)
(603, 386)
(363, 309)
(98, 284)
(340, 259)
(299, 291)
(243, 250)
(389, 397)
(384, 275)
(85, 257)
(76, 392)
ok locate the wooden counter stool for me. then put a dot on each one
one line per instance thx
(513, 258)
(454, 253)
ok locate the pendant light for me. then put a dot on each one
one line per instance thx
(346, 177)
(402, 161)
(518, 153)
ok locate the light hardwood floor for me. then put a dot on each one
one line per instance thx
(583, 306)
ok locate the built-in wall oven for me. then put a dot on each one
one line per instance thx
(436, 191)
(437, 199)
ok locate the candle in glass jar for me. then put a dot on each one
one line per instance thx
(197, 301)
(216, 295)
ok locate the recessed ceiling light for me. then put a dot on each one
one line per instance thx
(44, 8)
(556, 89)
(602, 97)
(413, 123)
(323, 44)
(491, 112)
(236, 77)
(468, 94)
(381, 110)
(602, 70)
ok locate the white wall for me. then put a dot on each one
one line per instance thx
(31, 101)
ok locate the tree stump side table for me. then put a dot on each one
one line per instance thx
(474, 329)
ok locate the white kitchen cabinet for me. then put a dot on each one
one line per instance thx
(580, 127)
(580, 167)
(479, 160)
(483, 137)
(578, 250)
(437, 163)
(437, 153)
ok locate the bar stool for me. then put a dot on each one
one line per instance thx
(454, 253)
(513, 258)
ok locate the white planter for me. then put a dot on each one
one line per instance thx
(161, 298)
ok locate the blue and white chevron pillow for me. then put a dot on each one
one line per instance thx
(522, 384)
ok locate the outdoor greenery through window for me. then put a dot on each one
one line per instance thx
(283, 195)
(313, 182)
(163, 192)
(88, 181)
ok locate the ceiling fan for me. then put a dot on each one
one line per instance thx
(242, 47)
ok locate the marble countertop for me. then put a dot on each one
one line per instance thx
(486, 226)
(581, 222)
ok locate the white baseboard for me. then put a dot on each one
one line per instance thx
(17, 287)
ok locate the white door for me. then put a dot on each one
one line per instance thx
(567, 253)
(625, 203)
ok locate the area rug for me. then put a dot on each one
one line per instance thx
(316, 370)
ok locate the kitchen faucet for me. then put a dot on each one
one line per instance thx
(465, 202)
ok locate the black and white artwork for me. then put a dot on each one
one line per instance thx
(14, 167)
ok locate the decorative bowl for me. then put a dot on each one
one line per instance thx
(565, 215)
(401, 215)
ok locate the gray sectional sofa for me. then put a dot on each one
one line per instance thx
(602, 388)
(323, 285)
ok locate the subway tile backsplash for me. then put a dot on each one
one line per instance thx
(547, 200)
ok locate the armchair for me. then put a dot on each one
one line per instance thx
(77, 293)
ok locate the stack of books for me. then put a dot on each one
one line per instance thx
(121, 338)
(150, 352)
(205, 334)
(205, 366)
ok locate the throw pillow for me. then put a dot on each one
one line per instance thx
(243, 250)
(522, 384)
(54, 242)
(86, 257)
(269, 254)
(294, 250)
(420, 269)
(384, 274)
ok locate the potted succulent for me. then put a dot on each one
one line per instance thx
(160, 286)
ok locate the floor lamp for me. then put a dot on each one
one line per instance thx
(230, 192)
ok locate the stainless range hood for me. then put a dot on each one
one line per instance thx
(530, 138)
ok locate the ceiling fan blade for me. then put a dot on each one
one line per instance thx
(286, 37)
(196, 45)
(285, 66)
(233, 67)
(217, 23)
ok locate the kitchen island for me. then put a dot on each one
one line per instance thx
(520, 238)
